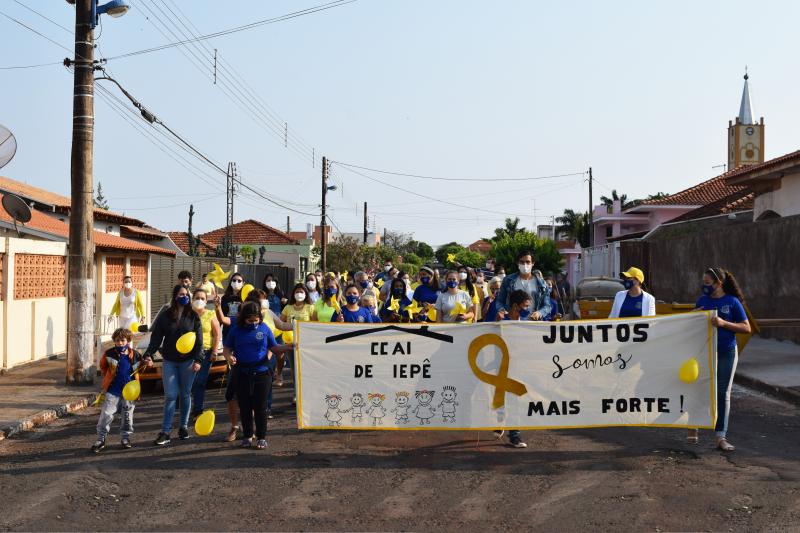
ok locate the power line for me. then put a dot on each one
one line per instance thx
(43, 36)
(457, 179)
(70, 31)
(182, 204)
(15, 67)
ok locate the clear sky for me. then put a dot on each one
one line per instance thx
(640, 91)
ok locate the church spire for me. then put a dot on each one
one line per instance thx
(745, 109)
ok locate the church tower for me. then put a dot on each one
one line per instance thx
(745, 137)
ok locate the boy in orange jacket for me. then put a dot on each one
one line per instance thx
(118, 365)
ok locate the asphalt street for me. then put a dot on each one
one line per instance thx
(612, 479)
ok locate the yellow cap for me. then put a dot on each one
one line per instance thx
(634, 273)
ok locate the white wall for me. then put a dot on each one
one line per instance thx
(784, 201)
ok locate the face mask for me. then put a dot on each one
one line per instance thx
(300, 297)
(252, 326)
(524, 313)
(708, 290)
(628, 283)
(183, 300)
(199, 304)
(364, 284)
(424, 280)
(270, 285)
(127, 284)
(452, 284)
(237, 284)
(525, 268)
(352, 299)
(397, 292)
(264, 304)
(330, 292)
(387, 268)
(311, 284)
(501, 275)
(122, 349)
(462, 276)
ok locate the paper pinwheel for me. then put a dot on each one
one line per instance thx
(413, 309)
(218, 276)
(459, 309)
(394, 305)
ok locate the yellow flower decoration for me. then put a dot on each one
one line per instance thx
(379, 283)
(218, 276)
(451, 258)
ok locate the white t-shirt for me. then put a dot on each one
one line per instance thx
(446, 302)
(127, 309)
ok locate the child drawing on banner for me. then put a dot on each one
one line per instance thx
(424, 410)
(401, 407)
(376, 410)
(333, 415)
(448, 404)
(357, 406)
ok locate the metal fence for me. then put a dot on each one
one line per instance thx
(164, 275)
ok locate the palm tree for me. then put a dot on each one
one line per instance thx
(609, 202)
(575, 226)
(511, 228)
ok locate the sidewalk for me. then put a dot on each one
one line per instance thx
(35, 394)
(772, 367)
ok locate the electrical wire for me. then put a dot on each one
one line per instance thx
(350, 165)
(16, 67)
(43, 36)
(182, 204)
(71, 32)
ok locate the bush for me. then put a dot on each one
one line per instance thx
(408, 268)
(470, 258)
(443, 251)
(545, 254)
(412, 258)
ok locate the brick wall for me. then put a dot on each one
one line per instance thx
(39, 276)
(115, 271)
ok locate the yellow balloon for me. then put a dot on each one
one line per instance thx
(204, 424)
(134, 327)
(689, 371)
(288, 337)
(131, 391)
(186, 342)
(246, 290)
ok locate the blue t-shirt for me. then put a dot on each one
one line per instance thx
(362, 316)
(275, 303)
(250, 346)
(491, 312)
(122, 377)
(425, 295)
(632, 306)
(553, 310)
(728, 308)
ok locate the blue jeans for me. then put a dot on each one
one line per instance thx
(177, 378)
(514, 434)
(200, 382)
(726, 368)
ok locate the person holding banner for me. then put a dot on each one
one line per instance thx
(633, 301)
(454, 305)
(721, 292)
(352, 312)
(526, 281)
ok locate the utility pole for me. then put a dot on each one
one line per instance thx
(288, 224)
(190, 235)
(591, 211)
(81, 293)
(324, 237)
(231, 191)
(365, 223)
(215, 66)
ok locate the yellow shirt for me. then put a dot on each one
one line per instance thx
(205, 321)
(324, 309)
(301, 315)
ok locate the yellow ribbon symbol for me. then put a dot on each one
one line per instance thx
(501, 382)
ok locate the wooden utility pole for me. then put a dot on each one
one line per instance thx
(190, 235)
(288, 224)
(81, 290)
(324, 236)
(591, 211)
(365, 223)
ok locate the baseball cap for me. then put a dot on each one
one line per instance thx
(634, 273)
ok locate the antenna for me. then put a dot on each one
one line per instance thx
(17, 209)
(8, 146)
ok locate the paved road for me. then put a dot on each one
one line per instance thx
(620, 479)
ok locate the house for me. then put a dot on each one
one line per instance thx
(257, 234)
(181, 241)
(480, 246)
(570, 250)
(33, 272)
(775, 185)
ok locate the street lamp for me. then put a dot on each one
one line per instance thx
(115, 8)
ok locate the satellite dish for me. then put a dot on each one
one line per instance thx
(8, 146)
(17, 209)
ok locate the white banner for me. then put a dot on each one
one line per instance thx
(656, 371)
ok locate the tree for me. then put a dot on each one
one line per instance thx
(345, 253)
(444, 250)
(100, 200)
(609, 202)
(424, 250)
(575, 226)
(399, 242)
(545, 253)
(412, 259)
(469, 258)
(510, 229)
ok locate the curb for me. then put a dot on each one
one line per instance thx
(46, 416)
(784, 393)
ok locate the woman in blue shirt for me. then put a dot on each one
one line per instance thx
(248, 348)
(352, 312)
(275, 297)
(721, 292)
(426, 292)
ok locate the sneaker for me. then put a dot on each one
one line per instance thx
(98, 446)
(126, 443)
(498, 433)
(270, 416)
(516, 442)
(162, 439)
(261, 444)
(183, 433)
(232, 434)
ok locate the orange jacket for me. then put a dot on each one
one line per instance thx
(110, 360)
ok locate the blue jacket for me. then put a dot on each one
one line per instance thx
(540, 295)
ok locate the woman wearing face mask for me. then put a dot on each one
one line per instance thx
(427, 292)
(297, 309)
(331, 300)
(352, 312)
(227, 309)
(274, 294)
(721, 292)
(212, 339)
(465, 278)
(490, 302)
(365, 285)
(452, 297)
(248, 350)
(313, 290)
(633, 301)
(128, 306)
(177, 369)
(397, 293)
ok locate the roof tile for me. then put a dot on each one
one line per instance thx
(250, 232)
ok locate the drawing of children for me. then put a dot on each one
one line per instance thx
(333, 415)
(448, 404)
(376, 410)
(357, 405)
(401, 407)
(424, 410)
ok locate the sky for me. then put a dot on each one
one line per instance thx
(640, 91)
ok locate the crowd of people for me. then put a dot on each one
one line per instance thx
(254, 333)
